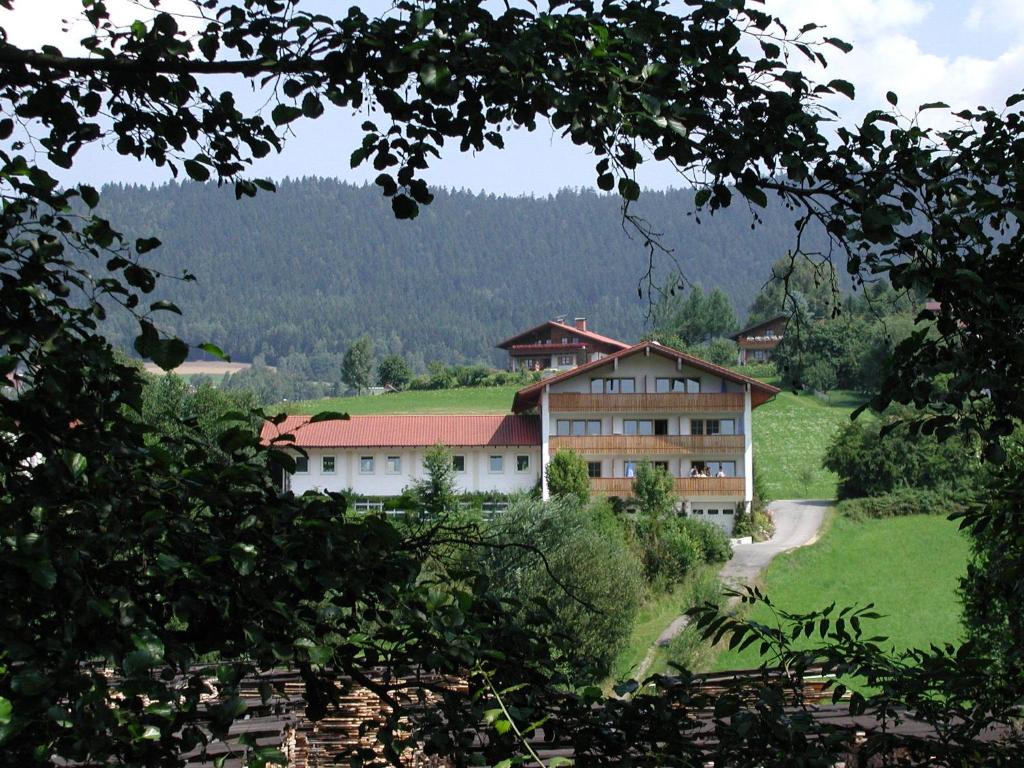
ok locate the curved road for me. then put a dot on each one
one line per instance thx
(797, 523)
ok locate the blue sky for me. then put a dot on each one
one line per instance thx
(964, 52)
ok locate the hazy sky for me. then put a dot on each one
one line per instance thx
(963, 52)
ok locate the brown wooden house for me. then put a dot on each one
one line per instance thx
(758, 342)
(558, 345)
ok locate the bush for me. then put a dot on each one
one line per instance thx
(688, 649)
(714, 542)
(567, 475)
(903, 502)
(672, 547)
(573, 576)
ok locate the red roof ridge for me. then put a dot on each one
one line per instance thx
(563, 326)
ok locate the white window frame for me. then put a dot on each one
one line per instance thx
(362, 465)
(397, 465)
(490, 464)
(323, 465)
(568, 427)
(301, 471)
(527, 467)
(600, 469)
(455, 467)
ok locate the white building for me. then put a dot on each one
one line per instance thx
(645, 402)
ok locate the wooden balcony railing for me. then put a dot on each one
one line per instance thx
(685, 486)
(680, 402)
(650, 445)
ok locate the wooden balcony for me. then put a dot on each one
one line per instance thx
(685, 486)
(677, 402)
(760, 342)
(650, 445)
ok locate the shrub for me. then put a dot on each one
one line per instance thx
(573, 575)
(654, 491)
(688, 649)
(567, 475)
(714, 542)
(672, 547)
(903, 502)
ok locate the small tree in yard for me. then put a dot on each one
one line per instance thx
(654, 491)
(567, 474)
(357, 365)
(436, 492)
(394, 372)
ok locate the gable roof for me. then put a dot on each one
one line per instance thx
(412, 431)
(755, 326)
(563, 327)
(528, 397)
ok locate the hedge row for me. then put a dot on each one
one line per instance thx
(902, 502)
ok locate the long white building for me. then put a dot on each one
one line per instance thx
(645, 402)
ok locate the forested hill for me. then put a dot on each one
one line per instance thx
(320, 262)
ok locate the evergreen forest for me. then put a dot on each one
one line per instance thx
(316, 265)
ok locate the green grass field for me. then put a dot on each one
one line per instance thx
(907, 566)
(790, 436)
(464, 400)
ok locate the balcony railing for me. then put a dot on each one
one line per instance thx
(760, 342)
(684, 486)
(680, 402)
(650, 445)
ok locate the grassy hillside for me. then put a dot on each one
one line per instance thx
(790, 437)
(463, 400)
(908, 567)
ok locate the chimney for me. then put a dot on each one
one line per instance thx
(581, 323)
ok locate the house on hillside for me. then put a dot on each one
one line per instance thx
(557, 345)
(644, 402)
(757, 342)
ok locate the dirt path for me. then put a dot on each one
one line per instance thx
(797, 523)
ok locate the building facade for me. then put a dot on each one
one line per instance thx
(555, 345)
(757, 343)
(643, 403)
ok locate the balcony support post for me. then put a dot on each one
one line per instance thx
(748, 449)
(545, 439)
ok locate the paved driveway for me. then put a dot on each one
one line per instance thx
(796, 523)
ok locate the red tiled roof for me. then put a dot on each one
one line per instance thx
(570, 329)
(528, 397)
(755, 326)
(406, 431)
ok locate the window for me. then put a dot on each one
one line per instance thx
(728, 426)
(593, 469)
(670, 385)
(522, 463)
(769, 333)
(759, 354)
(630, 467)
(712, 427)
(700, 467)
(301, 464)
(593, 426)
(639, 427)
(645, 427)
(629, 427)
(727, 468)
(497, 464)
(366, 465)
(661, 426)
(712, 511)
(327, 465)
(393, 465)
(693, 386)
(696, 511)
(565, 360)
(579, 427)
(562, 427)
(661, 465)
(696, 426)
(459, 463)
(612, 386)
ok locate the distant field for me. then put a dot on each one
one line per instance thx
(464, 400)
(200, 367)
(907, 566)
(791, 434)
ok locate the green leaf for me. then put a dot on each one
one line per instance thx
(933, 105)
(197, 170)
(29, 682)
(842, 45)
(146, 244)
(284, 114)
(629, 189)
(404, 207)
(5, 711)
(328, 416)
(432, 75)
(1014, 100)
(845, 87)
(151, 733)
(164, 306)
(311, 106)
(214, 350)
(138, 29)
(606, 182)
(891, 97)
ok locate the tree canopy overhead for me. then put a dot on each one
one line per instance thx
(113, 553)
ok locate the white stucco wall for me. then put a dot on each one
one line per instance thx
(477, 476)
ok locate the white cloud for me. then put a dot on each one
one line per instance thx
(1003, 14)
